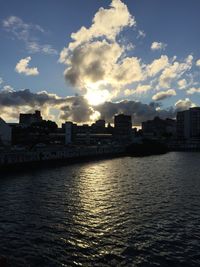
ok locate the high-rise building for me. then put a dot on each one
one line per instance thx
(188, 123)
(5, 133)
(123, 127)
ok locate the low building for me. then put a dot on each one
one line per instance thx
(26, 120)
(5, 133)
(158, 128)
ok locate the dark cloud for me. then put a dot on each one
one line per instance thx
(76, 108)
(11, 98)
(140, 112)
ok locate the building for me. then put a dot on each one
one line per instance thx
(188, 124)
(87, 135)
(99, 126)
(123, 128)
(26, 120)
(159, 128)
(68, 132)
(5, 133)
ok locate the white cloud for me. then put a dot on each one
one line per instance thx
(157, 65)
(174, 71)
(182, 84)
(138, 90)
(27, 33)
(158, 46)
(198, 63)
(142, 88)
(128, 92)
(96, 57)
(141, 34)
(106, 22)
(163, 95)
(34, 47)
(184, 104)
(23, 67)
(7, 88)
(193, 90)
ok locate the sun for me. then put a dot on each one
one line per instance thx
(96, 95)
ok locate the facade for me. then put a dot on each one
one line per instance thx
(68, 132)
(5, 133)
(159, 127)
(27, 119)
(188, 124)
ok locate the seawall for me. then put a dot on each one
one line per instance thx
(48, 156)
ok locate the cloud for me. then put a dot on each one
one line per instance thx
(7, 88)
(163, 95)
(140, 112)
(78, 110)
(157, 65)
(182, 84)
(1, 80)
(141, 34)
(174, 71)
(198, 63)
(95, 55)
(158, 46)
(193, 90)
(27, 33)
(141, 88)
(22, 67)
(106, 23)
(75, 108)
(184, 104)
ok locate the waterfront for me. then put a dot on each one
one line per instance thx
(117, 212)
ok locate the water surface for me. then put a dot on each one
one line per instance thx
(119, 212)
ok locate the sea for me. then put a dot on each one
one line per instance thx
(128, 211)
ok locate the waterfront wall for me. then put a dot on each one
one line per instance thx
(9, 158)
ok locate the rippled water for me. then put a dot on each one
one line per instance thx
(119, 212)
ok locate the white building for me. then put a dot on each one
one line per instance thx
(5, 133)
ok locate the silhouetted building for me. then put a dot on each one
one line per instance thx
(159, 128)
(85, 134)
(5, 133)
(188, 123)
(123, 128)
(68, 132)
(99, 126)
(27, 119)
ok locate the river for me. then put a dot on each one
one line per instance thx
(125, 211)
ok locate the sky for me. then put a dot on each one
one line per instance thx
(84, 60)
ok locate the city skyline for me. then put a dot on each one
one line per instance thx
(116, 56)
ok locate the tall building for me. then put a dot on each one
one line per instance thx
(188, 123)
(5, 133)
(123, 127)
(68, 132)
(28, 119)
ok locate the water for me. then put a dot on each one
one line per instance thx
(118, 212)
